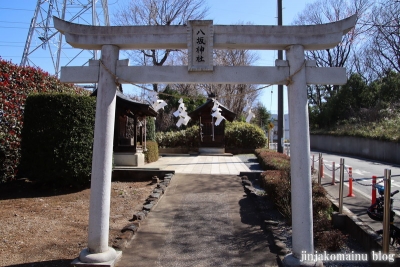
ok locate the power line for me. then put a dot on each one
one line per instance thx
(10, 27)
(8, 42)
(18, 9)
(12, 45)
(16, 22)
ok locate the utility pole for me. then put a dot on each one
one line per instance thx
(280, 92)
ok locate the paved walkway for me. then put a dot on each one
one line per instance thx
(201, 164)
(203, 219)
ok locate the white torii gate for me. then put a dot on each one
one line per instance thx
(200, 38)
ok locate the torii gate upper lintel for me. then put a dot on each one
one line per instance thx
(269, 37)
(200, 38)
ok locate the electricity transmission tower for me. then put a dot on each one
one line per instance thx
(45, 46)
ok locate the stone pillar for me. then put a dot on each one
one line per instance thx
(98, 250)
(302, 221)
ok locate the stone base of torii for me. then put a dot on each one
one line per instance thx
(295, 72)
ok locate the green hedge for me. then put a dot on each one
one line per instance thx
(276, 178)
(272, 160)
(237, 135)
(2, 157)
(16, 84)
(244, 135)
(276, 181)
(184, 138)
(151, 154)
(57, 139)
(150, 129)
(276, 184)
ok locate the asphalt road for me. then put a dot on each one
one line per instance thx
(363, 170)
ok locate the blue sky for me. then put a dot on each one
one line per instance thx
(15, 18)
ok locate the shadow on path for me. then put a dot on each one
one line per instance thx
(52, 263)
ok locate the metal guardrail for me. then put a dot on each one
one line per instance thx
(386, 179)
(274, 146)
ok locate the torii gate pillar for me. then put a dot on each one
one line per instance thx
(302, 221)
(98, 250)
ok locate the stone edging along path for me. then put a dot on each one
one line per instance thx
(269, 219)
(267, 223)
(278, 234)
(128, 232)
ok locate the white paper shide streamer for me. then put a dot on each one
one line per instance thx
(247, 109)
(156, 103)
(217, 113)
(182, 114)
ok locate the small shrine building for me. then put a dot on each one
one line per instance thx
(211, 136)
(130, 130)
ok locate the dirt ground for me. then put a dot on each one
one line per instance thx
(39, 227)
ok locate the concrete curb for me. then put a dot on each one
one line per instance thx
(367, 237)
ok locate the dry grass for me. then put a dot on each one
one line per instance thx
(39, 227)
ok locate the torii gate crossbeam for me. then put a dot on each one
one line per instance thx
(220, 75)
(295, 72)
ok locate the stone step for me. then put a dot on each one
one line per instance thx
(211, 150)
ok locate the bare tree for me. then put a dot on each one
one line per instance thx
(384, 49)
(325, 11)
(233, 96)
(158, 12)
